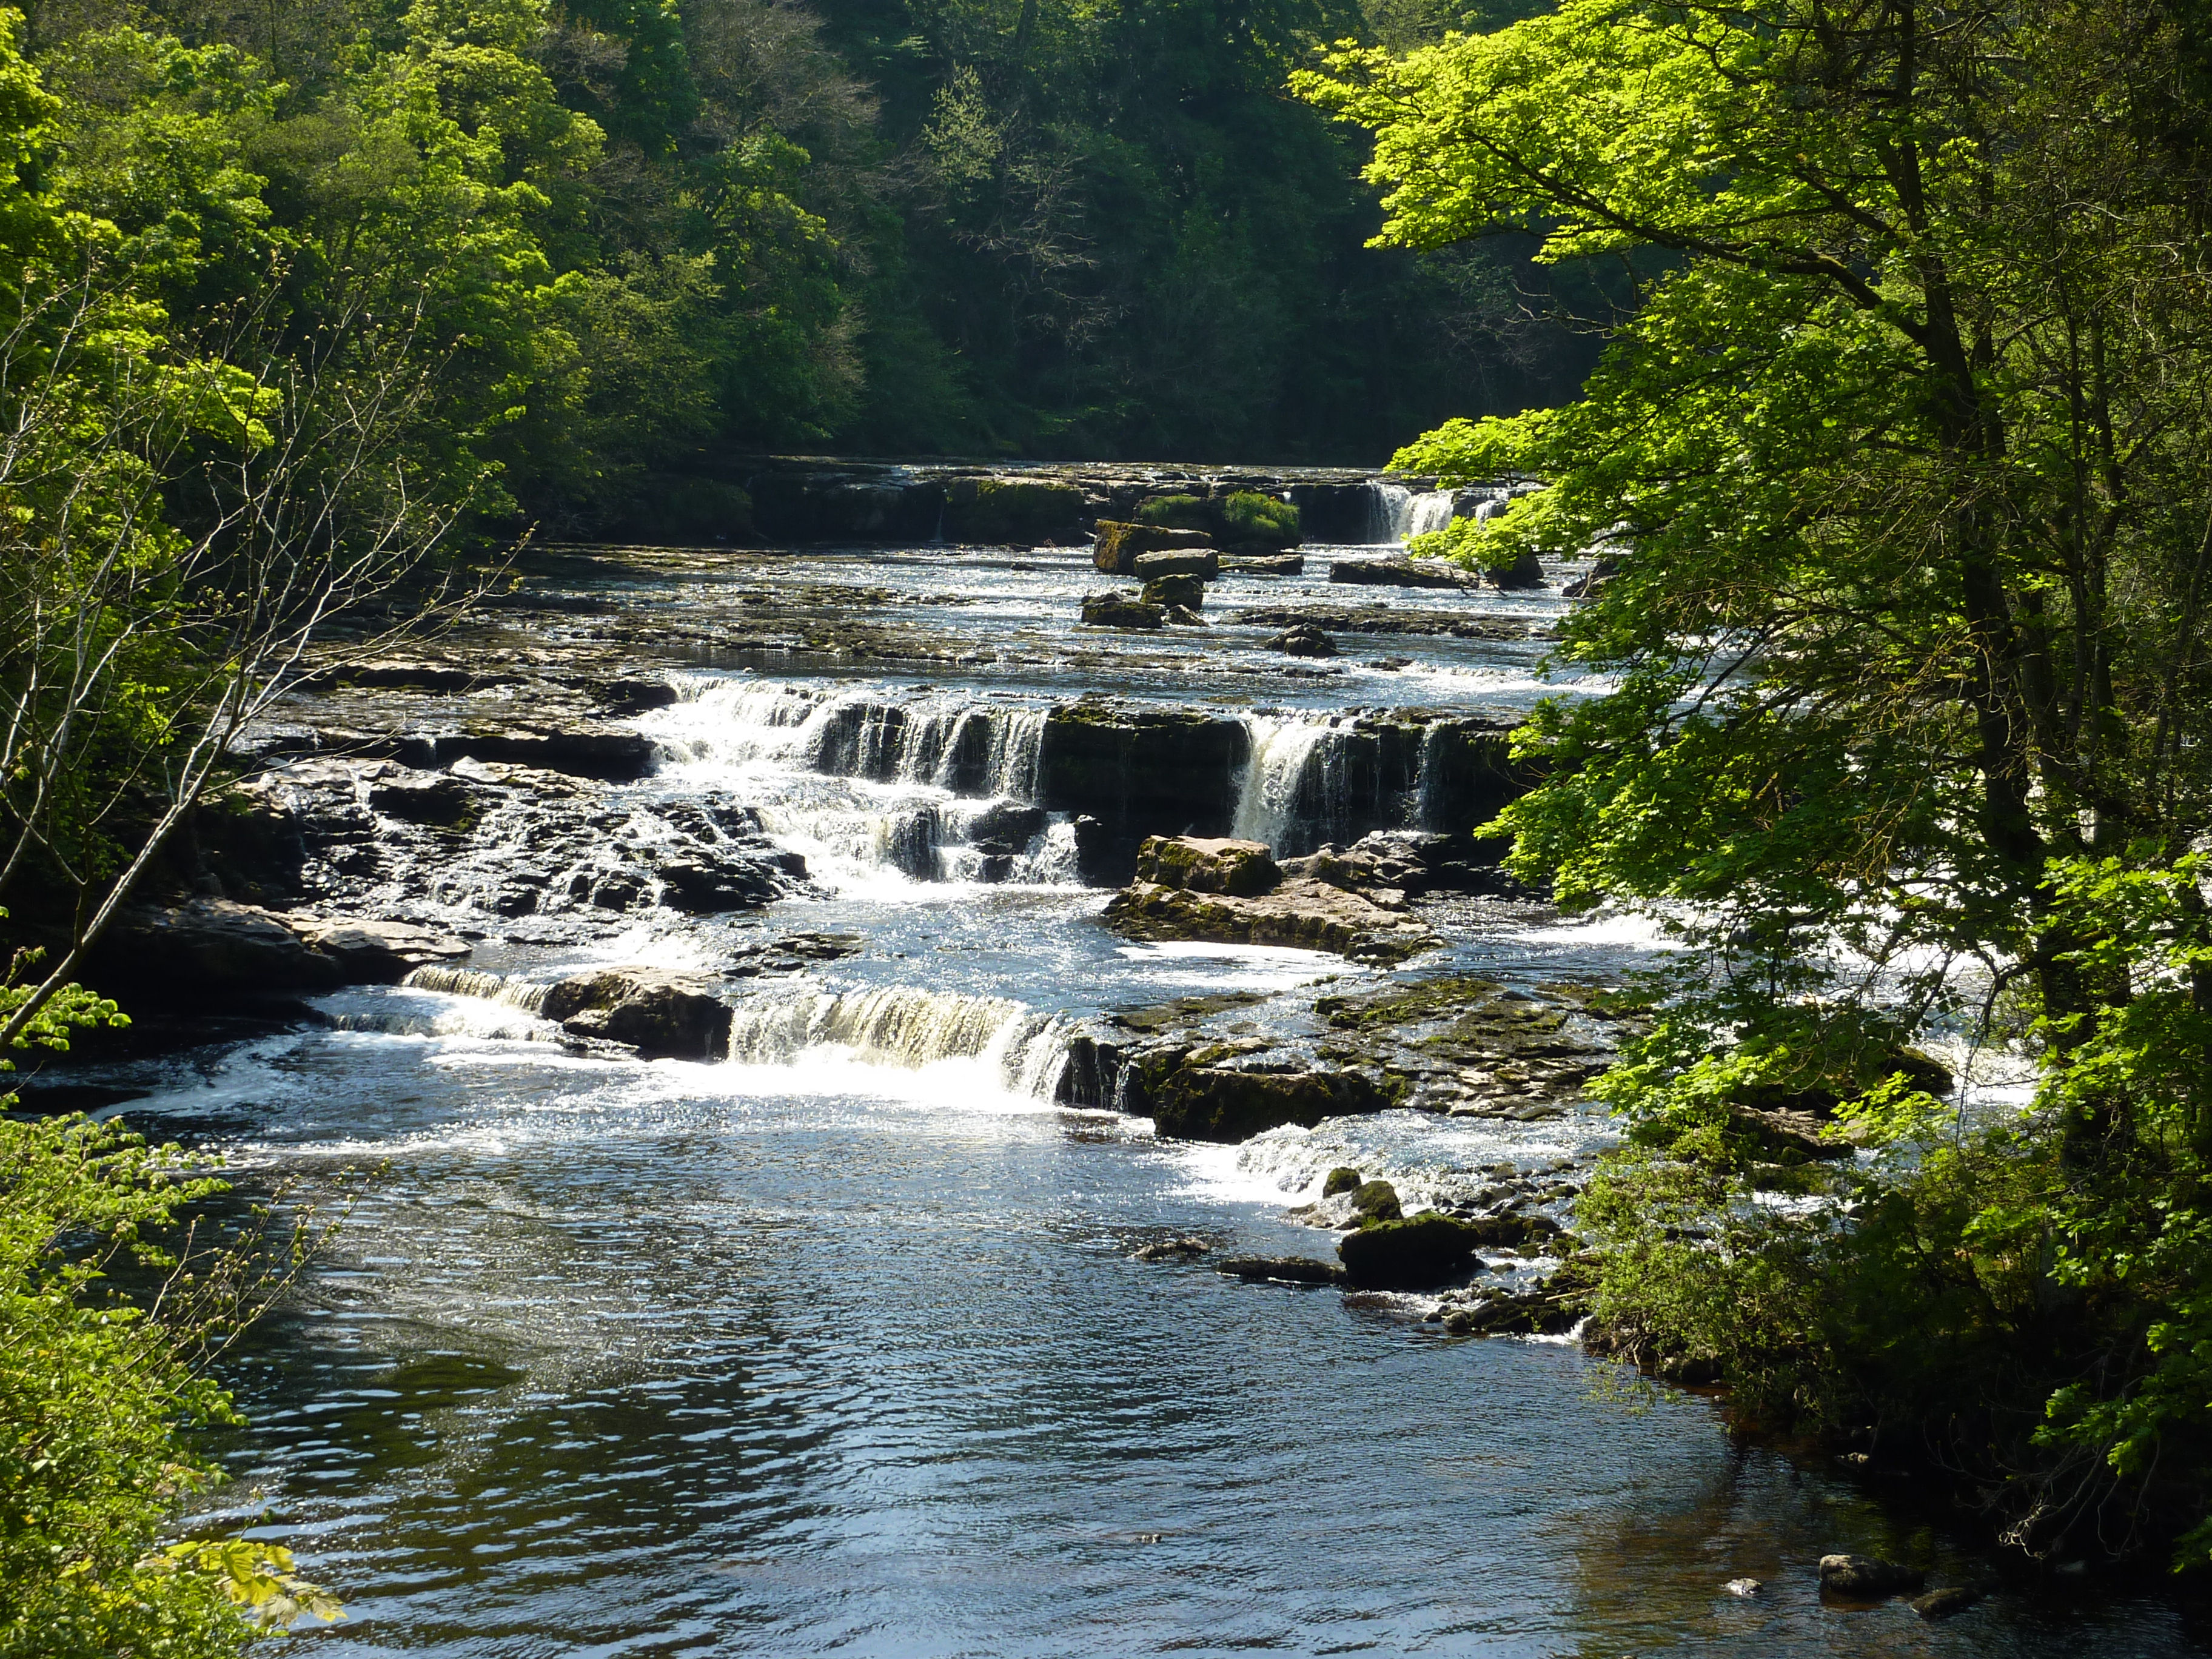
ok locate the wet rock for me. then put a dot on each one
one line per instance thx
(1342, 1179)
(1401, 573)
(1174, 1250)
(1943, 1603)
(377, 952)
(1867, 1577)
(191, 954)
(1746, 1587)
(820, 947)
(1417, 1253)
(1016, 823)
(1209, 1103)
(581, 751)
(415, 674)
(1117, 545)
(1284, 1269)
(1176, 592)
(1303, 642)
(1524, 575)
(657, 1012)
(1263, 564)
(1120, 611)
(1296, 911)
(1202, 562)
(420, 797)
(626, 697)
(1375, 1200)
(707, 880)
(1138, 771)
(1201, 866)
(1387, 619)
(1474, 1048)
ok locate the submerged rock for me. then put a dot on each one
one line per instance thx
(1174, 1250)
(1868, 1576)
(658, 1013)
(1943, 1603)
(1286, 1269)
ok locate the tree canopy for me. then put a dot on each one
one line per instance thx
(1899, 469)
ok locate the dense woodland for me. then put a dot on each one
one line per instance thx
(654, 235)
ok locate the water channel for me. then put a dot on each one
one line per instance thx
(840, 1344)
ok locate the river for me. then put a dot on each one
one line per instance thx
(842, 1344)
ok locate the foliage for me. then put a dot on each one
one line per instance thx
(1175, 513)
(95, 1387)
(1901, 462)
(1259, 515)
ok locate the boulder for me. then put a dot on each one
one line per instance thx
(1201, 866)
(1208, 1103)
(656, 1012)
(1119, 611)
(1014, 824)
(1303, 642)
(1009, 512)
(1415, 1255)
(191, 954)
(377, 952)
(1173, 1250)
(1375, 1200)
(1117, 545)
(1400, 572)
(1342, 1179)
(1867, 1577)
(1524, 574)
(1202, 562)
(1187, 592)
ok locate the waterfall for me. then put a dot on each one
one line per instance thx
(1429, 512)
(1267, 797)
(903, 1025)
(1388, 506)
(526, 994)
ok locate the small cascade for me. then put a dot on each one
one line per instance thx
(528, 995)
(1429, 512)
(1390, 510)
(1267, 801)
(906, 1026)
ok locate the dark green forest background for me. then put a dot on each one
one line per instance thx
(1038, 228)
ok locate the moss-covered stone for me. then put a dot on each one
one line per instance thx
(1375, 1201)
(1418, 1253)
(1252, 520)
(1200, 865)
(1342, 1179)
(1117, 544)
(1010, 511)
(1188, 591)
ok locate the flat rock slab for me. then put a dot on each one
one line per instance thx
(1401, 573)
(1301, 913)
(376, 953)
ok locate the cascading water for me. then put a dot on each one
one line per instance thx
(1267, 801)
(1390, 506)
(867, 783)
(1428, 513)
(903, 1025)
(528, 995)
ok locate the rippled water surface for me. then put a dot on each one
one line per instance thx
(839, 1351)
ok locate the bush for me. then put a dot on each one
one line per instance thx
(1175, 513)
(1253, 517)
(95, 1391)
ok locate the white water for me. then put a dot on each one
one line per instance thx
(903, 1025)
(1282, 748)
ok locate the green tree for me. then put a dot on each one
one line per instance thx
(1902, 460)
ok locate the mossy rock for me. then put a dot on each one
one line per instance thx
(1185, 590)
(1209, 1104)
(1416, 1255)
(1251, 520)
(1009, 512)
(1116, 545)
(1375, 1202)
(1196, 864)
(1342, 1179)
(1175, 512)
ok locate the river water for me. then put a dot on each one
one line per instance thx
(840, 1345)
